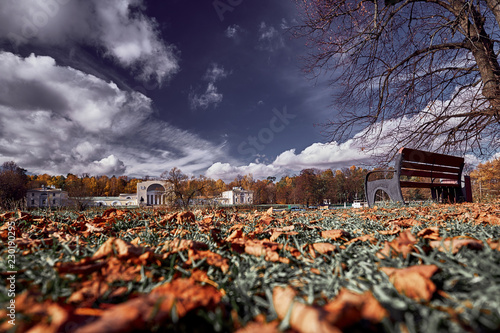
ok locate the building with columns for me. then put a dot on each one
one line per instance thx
(154, 193)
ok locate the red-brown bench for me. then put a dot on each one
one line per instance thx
(443, 174)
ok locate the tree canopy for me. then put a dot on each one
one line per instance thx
(416, 73)
(12, 184)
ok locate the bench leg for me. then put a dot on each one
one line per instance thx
(389, 186)
(467, 190)
(447, 197)
(458, 194)
(434, 194)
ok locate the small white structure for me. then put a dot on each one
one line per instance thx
(122, 200)
(237, 196)
(46, 197)
(359, 204)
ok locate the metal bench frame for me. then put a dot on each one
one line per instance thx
(445, 172)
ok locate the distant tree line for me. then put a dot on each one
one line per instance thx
(309, 187)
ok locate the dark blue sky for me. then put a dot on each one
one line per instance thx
(137, 87)
(263, 74)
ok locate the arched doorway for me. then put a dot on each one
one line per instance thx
(155, 194)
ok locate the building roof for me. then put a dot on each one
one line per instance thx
(45, 189)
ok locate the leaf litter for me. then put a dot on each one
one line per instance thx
(422, 268)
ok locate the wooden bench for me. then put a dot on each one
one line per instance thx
(443, 174)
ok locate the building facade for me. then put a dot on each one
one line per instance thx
(46, 197)
(121, 200)
(237, 196)
(154, 193)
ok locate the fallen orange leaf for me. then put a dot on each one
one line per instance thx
(212, 258)
(322, 248)
(429, 233)
(456, 243)
(155, 308)
(403, 244)
(303, 318)
(335, 234)
(349, 307)
(413, 281)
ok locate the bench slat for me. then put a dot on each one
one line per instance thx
(433, 167)
(428, 174)
(414, 155)
(425, 185)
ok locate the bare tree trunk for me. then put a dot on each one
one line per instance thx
(481, 47)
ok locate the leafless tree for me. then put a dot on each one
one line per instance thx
(419, 73)
(183, 188)
(79, 195)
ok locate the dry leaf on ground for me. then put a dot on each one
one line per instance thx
(413, 281)
(456, 243)
(335, 234)
(403, 244)
(303, 318)
(349, 308)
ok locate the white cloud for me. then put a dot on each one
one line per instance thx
(57, 119)
(228, 172)
(117, 26)
(322, 156)
(284, 24)
(107, 166)
(438, 117)
(215, 73)
(211, 97)
(318, 155)
(233, 31)
(270, 39)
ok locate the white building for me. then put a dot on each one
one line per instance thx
(46, 197)
(121, 200)
(237, 196)
(154, 192)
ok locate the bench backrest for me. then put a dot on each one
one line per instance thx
(418, 163)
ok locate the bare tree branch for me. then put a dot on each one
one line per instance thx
(433, 63)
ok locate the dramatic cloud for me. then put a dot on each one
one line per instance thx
(318, 155)
(445, 115)
(57, 119)
(227, 172)
(117, 26)
(211, 97)
(323, 156)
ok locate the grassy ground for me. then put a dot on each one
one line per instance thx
(413, 269)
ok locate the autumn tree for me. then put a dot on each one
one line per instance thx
(354, 182)
(328, 187)
(284, 190)
(131, 186)
(486, 180)
(419, 73)
(78, 193)
(13, 185)
(307, 187)
(220, 186)
(264, 192)
(183, 187)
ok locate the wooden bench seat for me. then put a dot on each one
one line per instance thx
(441, 173)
